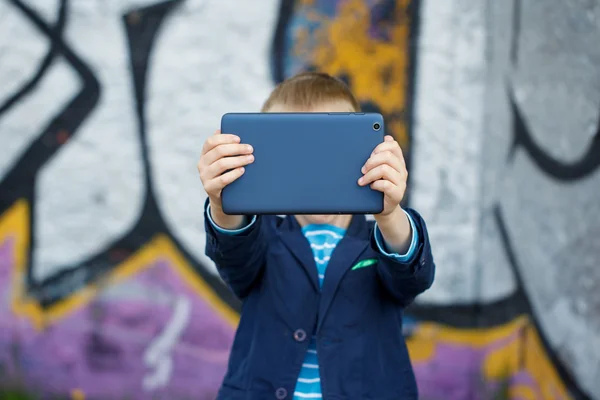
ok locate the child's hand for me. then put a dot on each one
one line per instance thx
(222, 162)
(386, 172)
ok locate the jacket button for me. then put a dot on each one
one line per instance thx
(299, 335)
(281, 393)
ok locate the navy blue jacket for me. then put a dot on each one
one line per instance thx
(356, 317)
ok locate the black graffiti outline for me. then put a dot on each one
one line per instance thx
(278, 47)
(556, 169)
(44, 65)
(522, 137)
(574, 390)
(141, 24)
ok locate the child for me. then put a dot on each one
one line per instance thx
(322, 295)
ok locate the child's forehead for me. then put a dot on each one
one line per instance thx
(328, 106)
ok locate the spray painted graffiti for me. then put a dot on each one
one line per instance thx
(107, 293)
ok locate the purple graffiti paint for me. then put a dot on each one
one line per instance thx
(455, 373)
(150, 336)
(7, 336)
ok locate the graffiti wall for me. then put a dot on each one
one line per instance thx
(104, 106)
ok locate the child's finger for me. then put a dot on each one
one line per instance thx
(226, 163)
(385, 157)
(218, 183)
(227, 150)
(394, 192)
(391, 146)
(381, 172)
(218, 139)
(387, 141)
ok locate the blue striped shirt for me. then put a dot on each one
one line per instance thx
(322, 239)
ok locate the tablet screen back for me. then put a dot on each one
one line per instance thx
(304, 163)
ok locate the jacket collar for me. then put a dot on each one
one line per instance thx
(354, 242)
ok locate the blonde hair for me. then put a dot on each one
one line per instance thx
(309, 89)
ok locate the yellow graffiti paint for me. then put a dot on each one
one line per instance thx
(77, 394)
(476, 338)
(378, 69)
(526, 352)
(15, 223)
(522, 392)
(518, 348)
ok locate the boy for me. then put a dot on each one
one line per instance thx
(317, 323)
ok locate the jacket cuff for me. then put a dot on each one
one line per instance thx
(410, 253)
(228, 231)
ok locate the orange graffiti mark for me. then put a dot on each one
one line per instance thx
(62, 136)
(15, 223)
(378, 69)
(517, 348)
(77, 394)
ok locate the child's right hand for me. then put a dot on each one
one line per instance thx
(222, 162)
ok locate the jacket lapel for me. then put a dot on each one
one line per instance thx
(292, 237)
(343, 258)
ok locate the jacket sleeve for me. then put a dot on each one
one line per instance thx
(406, 276)
(410, 253)
(239, 255)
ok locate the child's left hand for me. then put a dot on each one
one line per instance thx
(386, 172)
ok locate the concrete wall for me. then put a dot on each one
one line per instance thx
(104, 106)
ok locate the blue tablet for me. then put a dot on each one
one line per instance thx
(304, 163)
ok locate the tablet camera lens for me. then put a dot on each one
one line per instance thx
(376, 126)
